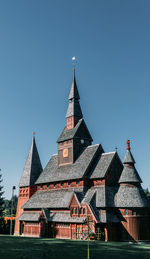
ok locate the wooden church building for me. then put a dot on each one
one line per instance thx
(81, 187)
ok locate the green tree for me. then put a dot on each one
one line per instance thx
(7, 206)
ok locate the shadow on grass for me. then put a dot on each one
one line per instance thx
(40, 248)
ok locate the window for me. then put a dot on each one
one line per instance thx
(55, 185)
(69, 183)
(77, 182)
(83, 210)
(76, 210)
(133, 212)
(126, 212)
(82, 141)
(62, 184)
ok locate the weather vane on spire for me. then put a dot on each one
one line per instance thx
(73, 59)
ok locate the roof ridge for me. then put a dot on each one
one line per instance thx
(93, 145)
(107, 153)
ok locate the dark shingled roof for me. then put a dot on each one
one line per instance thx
(32, 168)
(65, 218)
(103, 165)
(29, 216)
(108, 216)
(95, 197)
(79, 131)
(103, 195)
(128, 197)
(51, 217)
(74, 109)
(129, 158)
(89, 195)
(49, 199)
(129, 174)
(54, 173)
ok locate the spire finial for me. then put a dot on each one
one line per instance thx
(128, 144)
(73, 59)
(33, 134)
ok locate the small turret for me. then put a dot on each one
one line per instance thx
(130, 193)
(129, 173)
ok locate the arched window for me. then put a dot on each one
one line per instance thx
(83, 210)
(76, 210)
(73, 211)
(126, 212)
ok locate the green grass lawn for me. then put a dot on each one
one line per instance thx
(41, 248)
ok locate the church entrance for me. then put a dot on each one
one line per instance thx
(100, 232)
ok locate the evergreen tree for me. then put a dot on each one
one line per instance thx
(147, 193)
(7, 206)
(1, 197)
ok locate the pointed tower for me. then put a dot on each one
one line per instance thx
(75, 136)
(32, 168)
(130, 193)
(129, 174)
(132, 201)
(74, 113)
(31, 172)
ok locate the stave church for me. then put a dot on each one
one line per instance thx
(83, 190)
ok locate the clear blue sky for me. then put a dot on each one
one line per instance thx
(111, 42)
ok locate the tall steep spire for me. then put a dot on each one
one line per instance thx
(75, 136)
(32, 168)
(74, 113)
